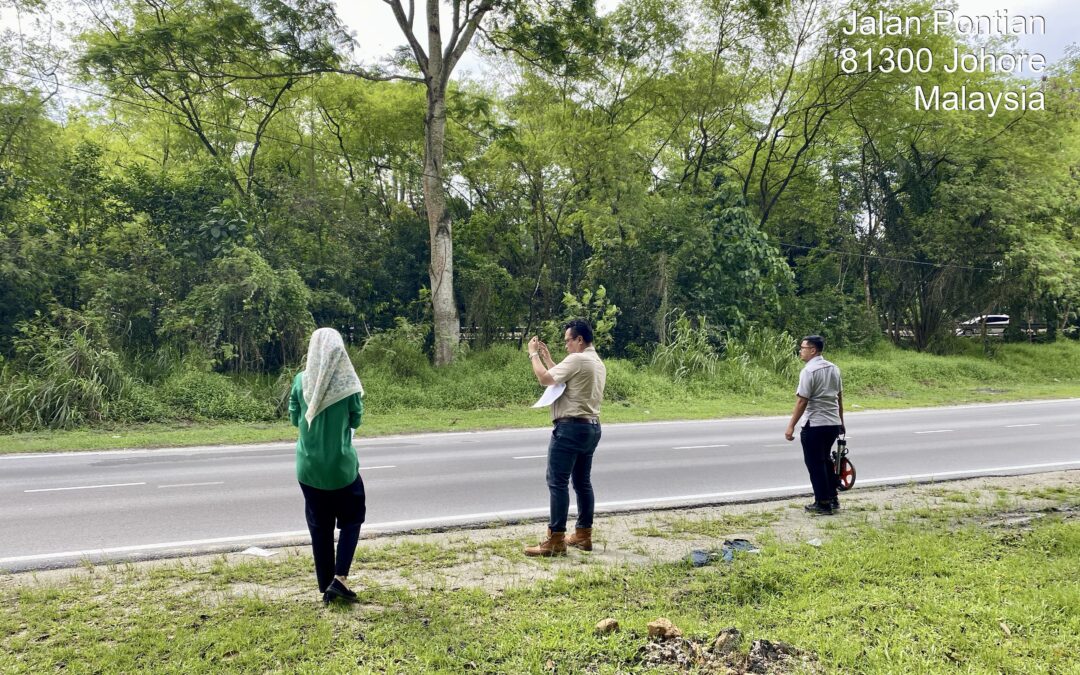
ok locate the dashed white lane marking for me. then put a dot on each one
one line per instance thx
(517, 513)
(1013, 426)
(935, 431)
(696, 447)
(530, 456)
(176, 485)
(83, 487)
(383, 466)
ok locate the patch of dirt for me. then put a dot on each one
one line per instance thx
(721, 655)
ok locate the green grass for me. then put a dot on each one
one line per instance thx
(462, 397)
(935, 595)
(720, 527)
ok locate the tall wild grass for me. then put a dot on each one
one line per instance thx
(65, 375)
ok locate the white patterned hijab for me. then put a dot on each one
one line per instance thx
(329, 376)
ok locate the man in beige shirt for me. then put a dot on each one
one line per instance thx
(576, 419)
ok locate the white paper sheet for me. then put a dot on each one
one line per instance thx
(550, 394)
(256, 551)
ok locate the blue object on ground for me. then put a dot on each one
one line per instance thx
(700, 557)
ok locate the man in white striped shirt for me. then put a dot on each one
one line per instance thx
(820, 397)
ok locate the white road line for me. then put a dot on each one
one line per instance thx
(696, 447)
(83, 487)
(384, 466)
(216, 482)
(152, 547)
(970, 472)
(530, 456)
(935, 431)
(516, 513)
(1013, 426)
(172, 450)
(705, 496)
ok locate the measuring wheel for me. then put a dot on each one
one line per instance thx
(845, 475)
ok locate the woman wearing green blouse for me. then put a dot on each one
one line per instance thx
(326, 403)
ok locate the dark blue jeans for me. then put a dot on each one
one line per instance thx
(570, 455)
(817, 446)
(346, 508)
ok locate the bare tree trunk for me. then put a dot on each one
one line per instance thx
(441, 270)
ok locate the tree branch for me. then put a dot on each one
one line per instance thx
(405, 23)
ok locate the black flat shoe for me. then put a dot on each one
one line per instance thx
(817, 509)
(336, 589)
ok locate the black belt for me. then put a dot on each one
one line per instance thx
(576, 420)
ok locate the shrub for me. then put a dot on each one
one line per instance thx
(844, 322)
(594, 307)
(213, 396)
(248, 317)
(399, 350)
(64, 374)
(140, 403)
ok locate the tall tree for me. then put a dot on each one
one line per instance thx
(216, 47)
(545, 31)
(436, 62)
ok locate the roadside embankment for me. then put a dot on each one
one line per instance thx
(978, 574)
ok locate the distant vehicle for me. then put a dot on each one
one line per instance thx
(995, 325)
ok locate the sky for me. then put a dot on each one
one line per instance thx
(377, 34)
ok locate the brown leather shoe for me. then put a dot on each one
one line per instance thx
(554, 545)
(581, 539)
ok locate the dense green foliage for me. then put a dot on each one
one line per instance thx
(689, 189)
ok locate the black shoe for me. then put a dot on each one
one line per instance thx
(336, 589)
(834, 504)
(818, 509)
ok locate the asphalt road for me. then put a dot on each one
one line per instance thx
(58, 509)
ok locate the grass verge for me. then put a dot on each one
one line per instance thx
(886, 378)
(988, 584)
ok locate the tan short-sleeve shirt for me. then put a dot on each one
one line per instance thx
(585, 375)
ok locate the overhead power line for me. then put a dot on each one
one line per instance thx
(888, 258)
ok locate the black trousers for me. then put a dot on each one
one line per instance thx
(570, 455)
(816, 446)
(323, 508)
